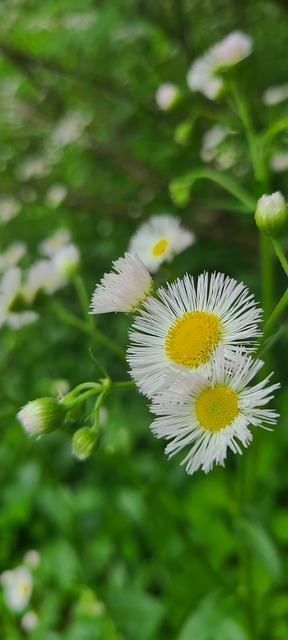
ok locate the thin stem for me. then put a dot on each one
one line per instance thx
(129, 384)
(83, 298)
(101, 337)
(84, 396)
(282, 304)
(267, 280)
(280, 255)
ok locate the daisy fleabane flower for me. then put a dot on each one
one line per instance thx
(160, 239)
(181, 326)
(124, 288)
(17, 585)
(211, 412)
(203, 74)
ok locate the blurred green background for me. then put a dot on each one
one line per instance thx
(131, 547)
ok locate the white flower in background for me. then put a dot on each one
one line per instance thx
(209, 414)
(279, 162)
(211, 140)
(124, 288)
(17, 585)
(42, 276)
(181, 327)
(9, 208)
(160, 239)
(12, 255)
(33, 558)
(79, 21)
(202, 75)
(30, 621)
(70, 128)
(56, 194)
(59, 239)
(167, 95)
(33, 167)
(67, 260)
(10, 289)
(274, 95)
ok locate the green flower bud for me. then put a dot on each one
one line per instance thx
(271, 214)
(42, 416)
(83, 443)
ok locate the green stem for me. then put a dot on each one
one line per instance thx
(101, 337)
(267, 279)
(83, 298)
(280, 255)
(84, 396)
(222, 180)
(129, 384)
(282, 304)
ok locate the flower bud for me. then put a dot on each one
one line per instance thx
(167, 96)
(83, 443)
(271, 214)
(42, 416)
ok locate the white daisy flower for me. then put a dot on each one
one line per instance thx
(202, 75)
(275, 95)
(50, 245)
(279, 162)
(12, 255)
(180, 328)
(167, 95)
(17, 585)
(124, 288)
(211, 413)
(67, 260)
(10, 289)
(160, 239)
(44, 276)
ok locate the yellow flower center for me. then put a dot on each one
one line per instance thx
(160, 247)
(191, 338)
(216, 408)
(24, 588)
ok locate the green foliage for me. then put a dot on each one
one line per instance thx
(131, 547)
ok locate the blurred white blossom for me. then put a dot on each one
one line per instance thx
(279, 162)
(42, 276)
(66, 260)
(70, 128)
(17, 585)
(167, 95)
(210, 141)
(56, 194)
(12, 255)
(32, 167)
(79, 21)
(59, 239)
(10, 289)
(29, 621)
(9, 208)
(33, 558)
(274, 95)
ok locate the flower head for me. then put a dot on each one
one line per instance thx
(17, 586)
(160, 239)
(203, 74)
(180, 328)
(210, 412)
(271, 214)
(274, 95)
(41, 416)
(124, 288)
(66, 260)
(166, 96)
(12, 255)
(59, 239)
(42, 276)
(10, 290)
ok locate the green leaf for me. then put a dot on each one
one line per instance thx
(135, 613)
(180, 187)
(207, 616)
(230, 629)
(256, 538)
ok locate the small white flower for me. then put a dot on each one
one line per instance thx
(33, 167)
(211, 140)
(279, 162)
(18, 588)
(202, 75)
(9, 208)
(66, 260)
(56, 194)
(29, 621)
(160, 239)
(10, 288)
(124, 288)
(59, 239)
(274, 95)
(211, 413)
(42, 276)
(70, 128)
(33, 558)
(79, 21)
(166, 95)
(180, 328)
(12, 255)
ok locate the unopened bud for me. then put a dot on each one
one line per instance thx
(42, 416)
(83, 443)
(271, 214)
